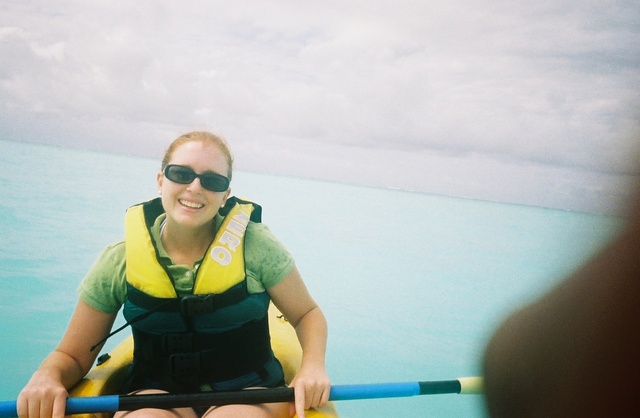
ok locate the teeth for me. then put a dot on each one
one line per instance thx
(191, 204)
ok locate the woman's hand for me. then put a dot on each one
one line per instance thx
(312, 386)
(311, 383)
(43, 397)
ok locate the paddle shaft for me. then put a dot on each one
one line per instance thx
(113, 403)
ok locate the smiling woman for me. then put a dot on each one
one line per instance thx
(199, 320)
(189, 226)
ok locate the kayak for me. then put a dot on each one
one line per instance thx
(108, 375)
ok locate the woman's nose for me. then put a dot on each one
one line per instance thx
(194, 185)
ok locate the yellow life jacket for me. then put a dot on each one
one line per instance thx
(224, 260)
(218, 333)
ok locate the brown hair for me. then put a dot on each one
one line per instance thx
(204, 137)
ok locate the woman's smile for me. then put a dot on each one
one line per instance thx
(190, 204)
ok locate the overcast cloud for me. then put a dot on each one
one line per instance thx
(525, 102)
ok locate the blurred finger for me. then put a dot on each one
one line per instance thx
(300, 406)
(59, 406)
(33, 409)
(21, 407)
(46, 406)
(323, 397)
(314, 397)
(300, 399)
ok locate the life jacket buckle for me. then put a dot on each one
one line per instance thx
(193, 305)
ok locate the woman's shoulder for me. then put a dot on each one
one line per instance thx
(111, 256)
(259, 233)
(256, 229)
(114, 250)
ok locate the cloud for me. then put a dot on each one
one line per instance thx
(544, 83)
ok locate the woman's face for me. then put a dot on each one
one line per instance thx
(191, 205)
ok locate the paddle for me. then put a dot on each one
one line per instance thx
(113, 403)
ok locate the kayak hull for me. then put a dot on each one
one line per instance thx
(106, 377)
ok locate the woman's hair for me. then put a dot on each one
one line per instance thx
(204, 137)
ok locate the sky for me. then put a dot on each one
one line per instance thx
(527, 102)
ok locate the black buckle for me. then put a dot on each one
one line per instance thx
(195, 305)
(177, 343)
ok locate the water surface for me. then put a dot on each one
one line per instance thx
(411, 284)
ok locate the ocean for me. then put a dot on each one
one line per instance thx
(411, 283)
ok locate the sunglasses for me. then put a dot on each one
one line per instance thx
(184, 175)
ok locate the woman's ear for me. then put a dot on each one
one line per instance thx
(159, 179)
(226, 196)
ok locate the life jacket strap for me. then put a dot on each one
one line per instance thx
(183, 361)
(177, 343)
(191, 305)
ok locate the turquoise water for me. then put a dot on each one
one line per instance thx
(411, 284)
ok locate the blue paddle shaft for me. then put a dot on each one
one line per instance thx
(87, 405)
(374, 391)
(393, 390)
(8, 409)
(113, 403)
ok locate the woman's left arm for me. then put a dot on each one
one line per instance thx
(311, 383)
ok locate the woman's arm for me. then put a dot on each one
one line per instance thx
(311, 383)
(45, 394)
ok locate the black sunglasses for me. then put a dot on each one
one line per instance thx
(184, 175)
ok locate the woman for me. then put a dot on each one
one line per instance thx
(195, 240)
